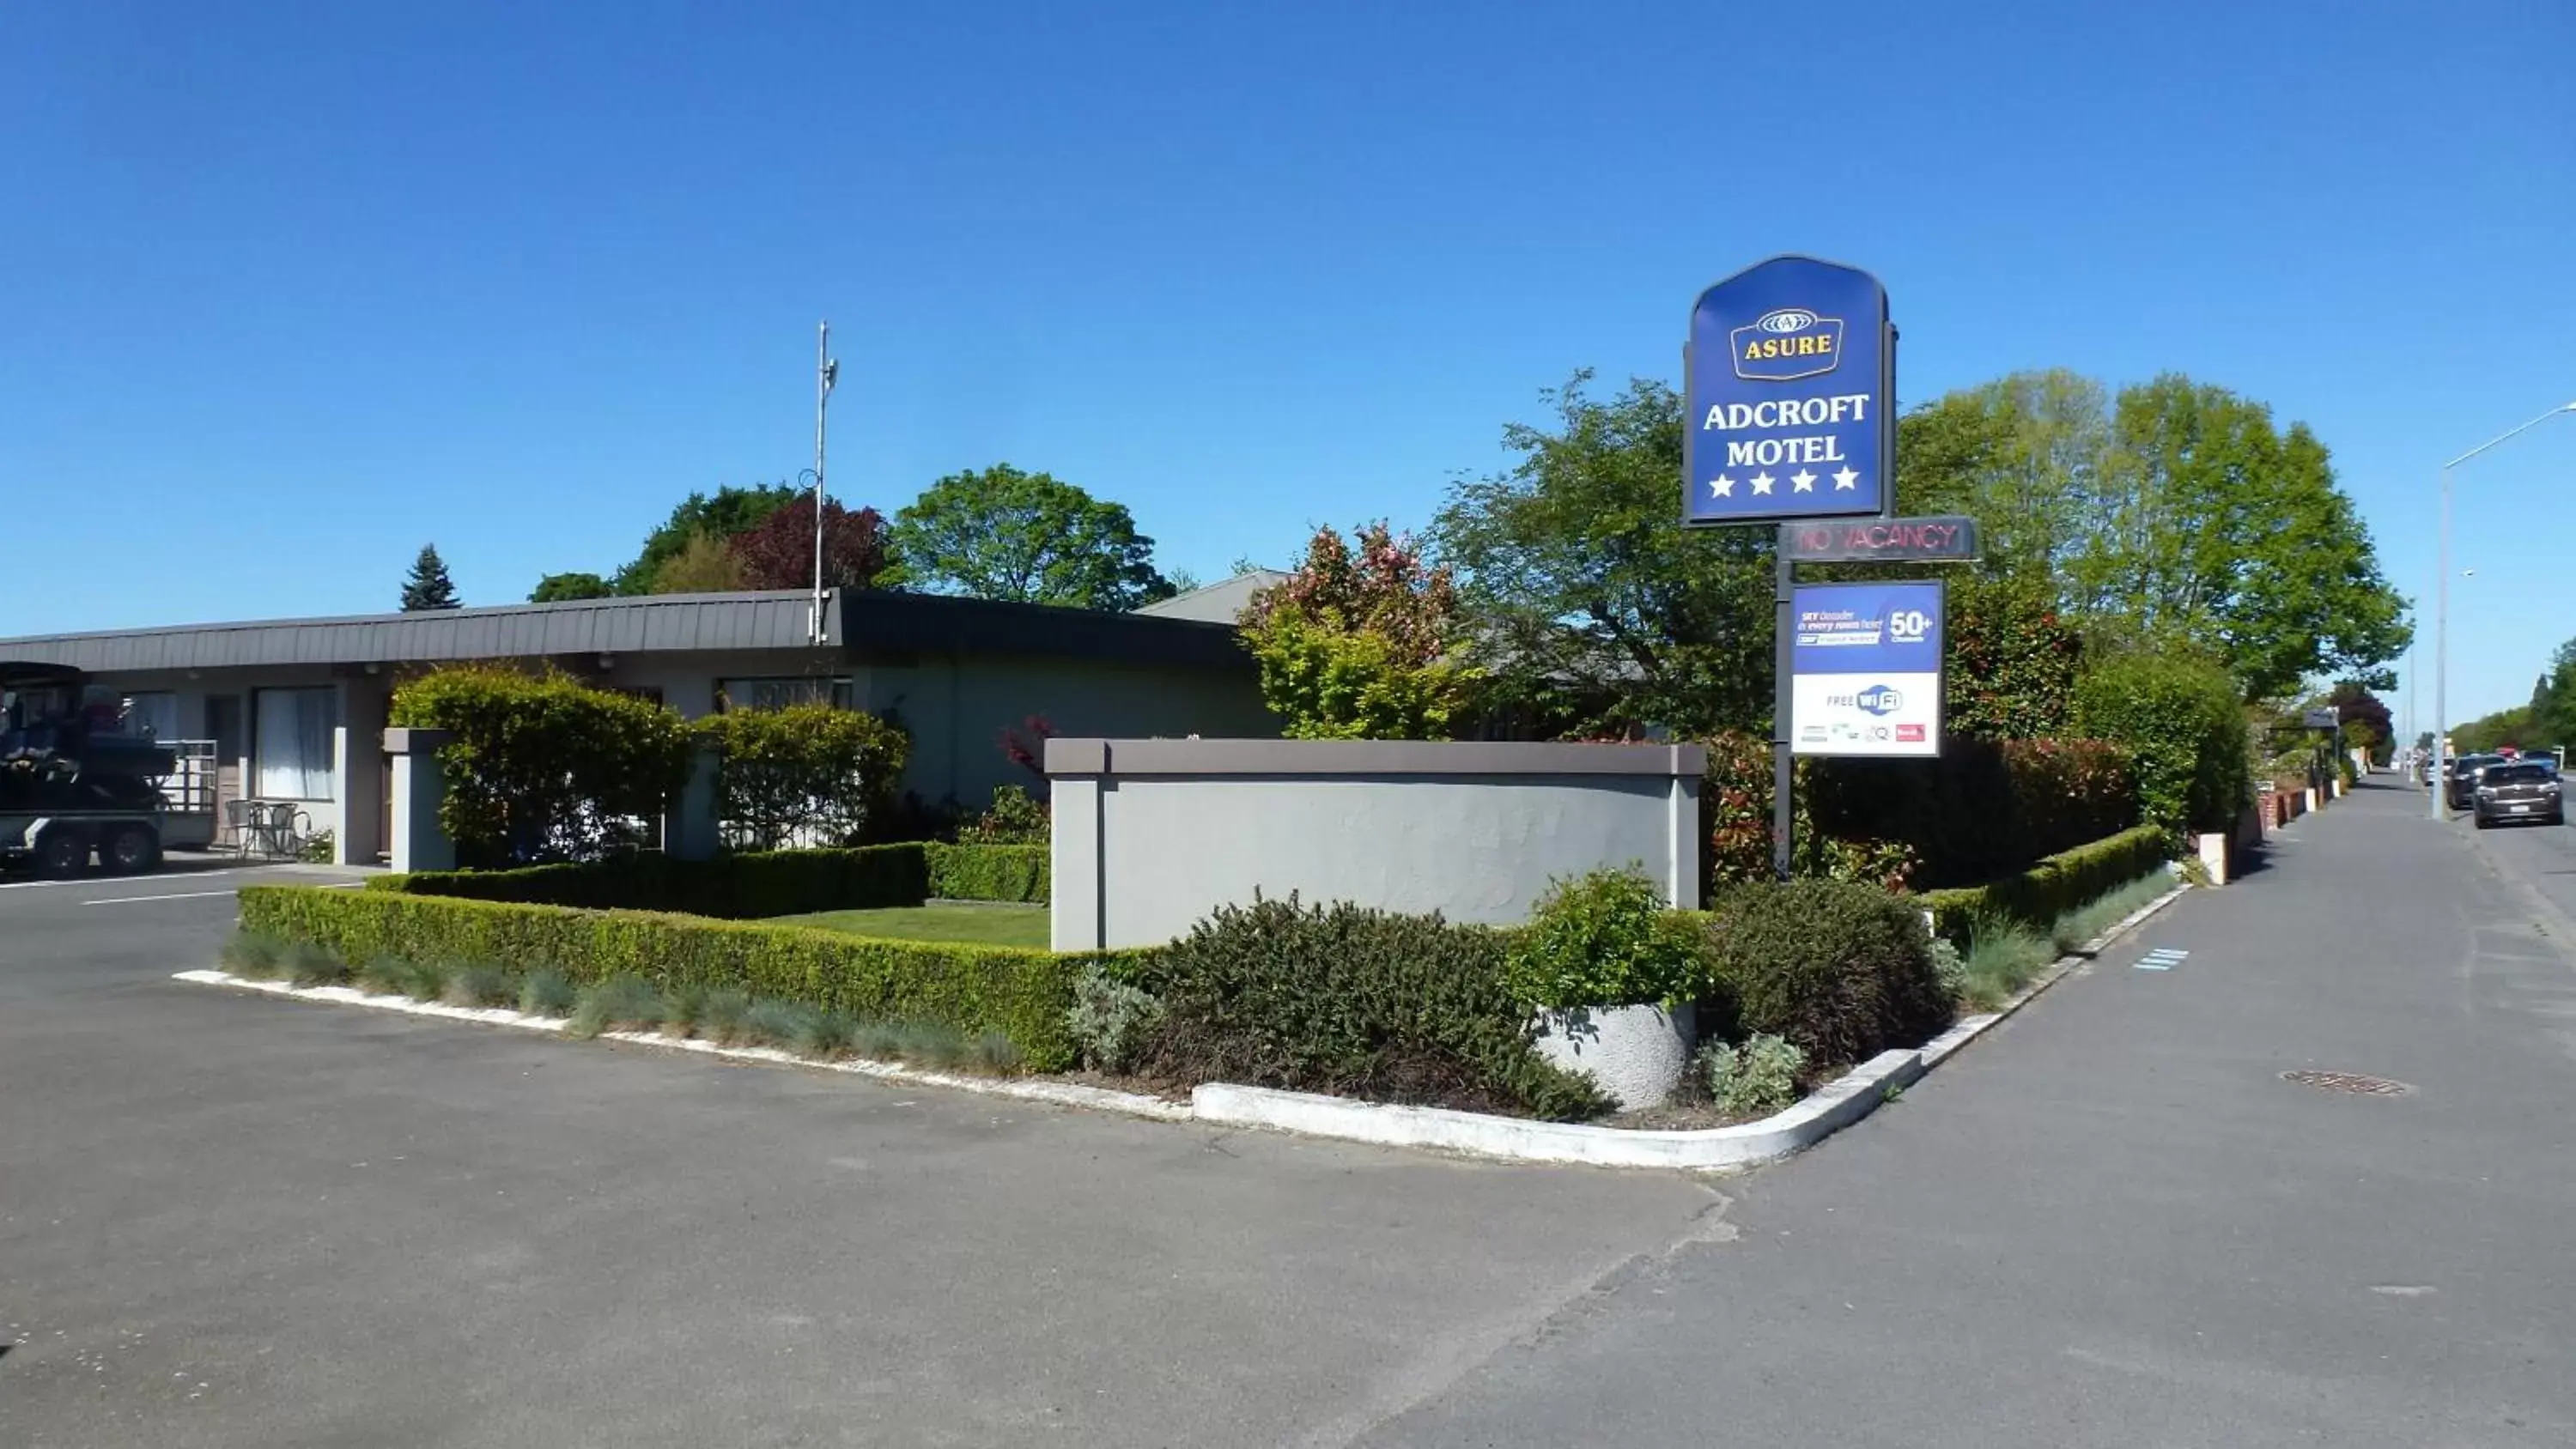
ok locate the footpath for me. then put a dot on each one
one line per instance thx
(2114, 1222)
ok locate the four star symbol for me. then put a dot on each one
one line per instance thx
(1802, 481)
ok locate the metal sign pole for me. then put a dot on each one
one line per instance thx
(1784, 638)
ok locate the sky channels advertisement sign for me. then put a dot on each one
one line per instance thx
(1865, 669)
(1789, 369)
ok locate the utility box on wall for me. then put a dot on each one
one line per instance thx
(1152, 835)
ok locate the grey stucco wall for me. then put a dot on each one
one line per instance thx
(1150, 836)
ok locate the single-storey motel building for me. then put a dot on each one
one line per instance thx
(295, 708)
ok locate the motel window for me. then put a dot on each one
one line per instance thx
(291, 742)
(780, 693)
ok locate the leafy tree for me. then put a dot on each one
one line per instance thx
(1591, 603)
(704, 565)
(1028, 538)
(723, 514)
(2485, 734)
(428, 586)
(2179, 514)
(1355, 646)
(2030, 456)
(558, 588)
(2553, 700)
(2355, 704)
(778, 552)
(2237, 534)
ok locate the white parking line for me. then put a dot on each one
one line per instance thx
(29, 885)
(174, 896)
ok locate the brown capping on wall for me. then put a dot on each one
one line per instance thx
(1366, 757)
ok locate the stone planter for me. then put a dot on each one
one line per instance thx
(1636, 1053)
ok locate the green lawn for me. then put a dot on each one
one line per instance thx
(990, 925)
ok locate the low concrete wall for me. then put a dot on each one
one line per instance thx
(1150, 835)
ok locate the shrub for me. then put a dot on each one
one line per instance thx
(995, 1054)
(748, 885)
(1843, 971)
(1950, 969)
(309, 964)
(777, 1024)
(2058, 884)
(384, 974)
(2090, 920)
(547, 992)
(1359, 647)
(1110, 1021)
(803, 771)
(720, 1019)
(684, 1010)
(826, 1035)
(620, 1003)
(1021, 992)
(253, 956)
(1755, 1079)
(1984, 807)
(480, 985)
(2004, 955)
(979, 872)
(543, 767)
(422, 979)
(2181, 721)
(1735, 818)
(1015, 818)
(318, 848)
(1346, 999)
(1603, 939)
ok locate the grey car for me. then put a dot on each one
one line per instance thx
(2460, 790)
(2517, 792)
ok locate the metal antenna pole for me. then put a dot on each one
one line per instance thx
(824, 374)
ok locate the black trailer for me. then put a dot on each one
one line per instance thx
(76, 783)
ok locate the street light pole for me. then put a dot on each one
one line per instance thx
(2439, 806)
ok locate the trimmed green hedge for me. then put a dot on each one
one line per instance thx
(1023, 993)
(988, 872)
(756, 884)
(2058, 884)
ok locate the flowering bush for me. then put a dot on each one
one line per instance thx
(1353, 647)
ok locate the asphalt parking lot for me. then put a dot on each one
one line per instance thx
(240, 1221)
(2114, 1221)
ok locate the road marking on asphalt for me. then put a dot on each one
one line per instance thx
(174, 896)
(29, 885)
(2163, 958)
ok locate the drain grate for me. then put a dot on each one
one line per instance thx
(2353, 1082)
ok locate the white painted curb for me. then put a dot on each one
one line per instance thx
(1817, 1116)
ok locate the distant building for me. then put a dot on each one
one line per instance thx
(295, 707)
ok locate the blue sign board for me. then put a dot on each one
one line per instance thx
(1865, 669)
(1790, 370)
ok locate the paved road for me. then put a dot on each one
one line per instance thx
(227, 1220)
(2113, 1224)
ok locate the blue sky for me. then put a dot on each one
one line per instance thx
(294, 288)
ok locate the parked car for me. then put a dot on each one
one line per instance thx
(2462, 788)
(2518, 791)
